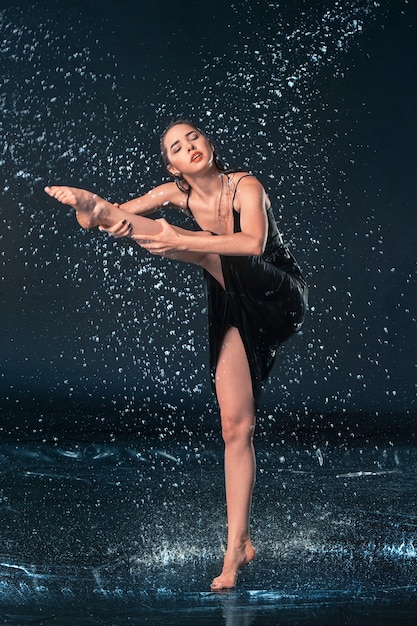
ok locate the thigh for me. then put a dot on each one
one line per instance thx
(233, 379)
(208, 261)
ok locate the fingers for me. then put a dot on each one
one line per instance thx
(150, 246)
(121, 229)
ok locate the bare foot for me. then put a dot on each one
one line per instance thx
(89, 208)
(233, 562)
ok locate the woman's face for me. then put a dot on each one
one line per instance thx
(187, 149)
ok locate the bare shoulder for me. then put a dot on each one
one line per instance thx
(243, 176)
(249, 188)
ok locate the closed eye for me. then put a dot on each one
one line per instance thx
(191, 136)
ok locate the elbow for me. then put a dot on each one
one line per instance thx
(258, 247)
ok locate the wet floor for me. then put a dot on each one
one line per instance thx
(127, 531)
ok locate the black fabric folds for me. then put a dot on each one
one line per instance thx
(265, 298)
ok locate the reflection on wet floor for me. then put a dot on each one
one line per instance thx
(132, 531)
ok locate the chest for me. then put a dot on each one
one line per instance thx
(218, 214)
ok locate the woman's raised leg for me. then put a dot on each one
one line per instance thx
(237, 412)
(92, 211)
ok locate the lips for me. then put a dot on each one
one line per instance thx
(196, 156)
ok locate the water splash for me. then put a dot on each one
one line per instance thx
(266, 92)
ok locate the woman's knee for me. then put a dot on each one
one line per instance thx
(237, 428)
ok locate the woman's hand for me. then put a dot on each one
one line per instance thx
(121, 229)
(163, 244)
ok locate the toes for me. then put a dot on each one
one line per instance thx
(220, 584)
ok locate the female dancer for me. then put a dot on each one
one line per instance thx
(257, 296)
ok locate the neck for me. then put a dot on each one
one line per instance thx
(206, 185)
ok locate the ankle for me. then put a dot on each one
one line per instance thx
(239, 544)
(101, 212)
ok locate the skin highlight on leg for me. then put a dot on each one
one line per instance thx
(92, 211)
(237, 410)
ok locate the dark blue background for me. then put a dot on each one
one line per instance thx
(112, 496)
(317, 99)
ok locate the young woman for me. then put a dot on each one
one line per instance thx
(257, 296)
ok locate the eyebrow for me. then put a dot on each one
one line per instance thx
(186, 134)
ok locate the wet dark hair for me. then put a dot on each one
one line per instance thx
(179, 180)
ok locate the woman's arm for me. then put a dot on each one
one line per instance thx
(167, 194)
(252, 202)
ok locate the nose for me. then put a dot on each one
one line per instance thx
(191, 145)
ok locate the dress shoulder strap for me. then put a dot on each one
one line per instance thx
(234, 194)
(188, 210)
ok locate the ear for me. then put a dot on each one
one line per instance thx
(173, 170)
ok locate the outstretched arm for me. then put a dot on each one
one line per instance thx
(164, 195)
(251, 201)
(167, 194)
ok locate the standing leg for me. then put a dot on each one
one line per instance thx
(237, 412)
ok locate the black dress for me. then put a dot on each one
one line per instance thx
(265, 297)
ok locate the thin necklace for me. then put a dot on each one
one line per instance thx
(223, 215)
